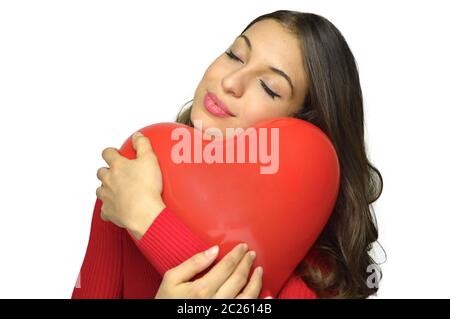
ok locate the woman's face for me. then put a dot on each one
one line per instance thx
(261, 77)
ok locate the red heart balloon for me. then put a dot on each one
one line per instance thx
(279, 209)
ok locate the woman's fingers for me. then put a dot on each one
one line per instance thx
(192, 266)
(215, 277)
(101, 172)
(225, 280)
(141, 144)
(111, 155)
(238, 279)
(254, 285)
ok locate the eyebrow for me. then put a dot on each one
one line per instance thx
(278, 71)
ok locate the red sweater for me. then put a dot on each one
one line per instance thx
(119, 266)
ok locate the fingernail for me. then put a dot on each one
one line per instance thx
(138, 133)
(212, 251)
(259, 270)
(252, 254)
(269, 297)
(244, 247)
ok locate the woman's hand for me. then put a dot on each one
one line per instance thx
(225, 280)
(131, 189)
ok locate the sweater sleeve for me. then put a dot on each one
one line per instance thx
(101, 272)
(168, 242)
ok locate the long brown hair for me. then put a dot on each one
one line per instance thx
(334, 103)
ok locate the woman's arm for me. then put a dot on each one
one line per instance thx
(101, 272)
(168, 242)
(132, 187)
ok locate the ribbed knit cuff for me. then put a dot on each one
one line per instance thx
(168, 242)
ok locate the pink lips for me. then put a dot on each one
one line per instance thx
(215, 106)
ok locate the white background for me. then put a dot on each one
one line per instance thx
(79, 76)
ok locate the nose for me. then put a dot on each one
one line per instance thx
(235, 82)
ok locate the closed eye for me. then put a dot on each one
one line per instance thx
(233, 56)
(270, 92)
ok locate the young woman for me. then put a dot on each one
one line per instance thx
(284, 63)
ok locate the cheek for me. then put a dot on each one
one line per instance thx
(214, 71)
(208, 81)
